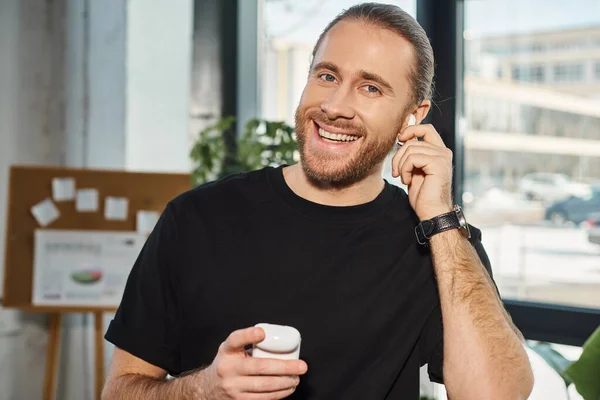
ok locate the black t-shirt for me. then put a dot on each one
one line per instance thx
(247, 249)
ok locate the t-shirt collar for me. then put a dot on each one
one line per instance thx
(326, 212)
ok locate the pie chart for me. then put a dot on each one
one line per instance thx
(86, 276)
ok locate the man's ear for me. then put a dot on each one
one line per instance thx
(422, 110)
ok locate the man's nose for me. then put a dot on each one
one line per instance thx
(339, 104)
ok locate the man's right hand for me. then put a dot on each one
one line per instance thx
(234, 374)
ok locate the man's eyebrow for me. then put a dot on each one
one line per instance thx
(370, 76)
(326, 65)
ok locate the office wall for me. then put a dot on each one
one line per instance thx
(32, 131)
(66, 97)
(158, 58)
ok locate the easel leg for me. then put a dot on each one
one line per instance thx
(52, 356)
(99, 354)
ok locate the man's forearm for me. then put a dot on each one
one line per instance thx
(483, 351)
(133, 387)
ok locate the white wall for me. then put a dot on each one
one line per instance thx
(95, 56)
(159, 52)
(31, 132)
(67, 98)
(95, 138)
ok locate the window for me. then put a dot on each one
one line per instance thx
(528, 48)
(529, 168)
(528, 73)
(537, 74)
(568, 72)
(562, 46)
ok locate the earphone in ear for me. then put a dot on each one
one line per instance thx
(412, 120)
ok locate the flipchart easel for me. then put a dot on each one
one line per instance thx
(30, 184)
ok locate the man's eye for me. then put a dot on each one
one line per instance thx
(371, 89)
(327, 77)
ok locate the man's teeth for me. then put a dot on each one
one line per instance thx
(336, 136)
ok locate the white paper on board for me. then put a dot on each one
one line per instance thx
(82, 268)
(145, 221)
(86, 200)
(63, 189)
(116, 208)
(45, 212)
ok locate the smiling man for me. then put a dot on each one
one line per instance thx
(378, 281)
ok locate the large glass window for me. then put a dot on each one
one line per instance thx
(532, 145)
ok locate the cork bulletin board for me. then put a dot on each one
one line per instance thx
(31, 184)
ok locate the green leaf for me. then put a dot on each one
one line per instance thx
(272, 128)
(554, 359)
(585, 372)
(225, 123)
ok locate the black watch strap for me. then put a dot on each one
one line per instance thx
(427, 228)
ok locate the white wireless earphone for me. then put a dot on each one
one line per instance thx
(412, 120)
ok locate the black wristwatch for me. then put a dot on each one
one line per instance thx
(455, 219)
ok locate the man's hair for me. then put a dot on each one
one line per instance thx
(395, 19)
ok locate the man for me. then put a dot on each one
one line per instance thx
(328, 247)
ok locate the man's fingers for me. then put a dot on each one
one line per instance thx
(271, 366)
(427, 132)
(282, 394)
(408, 148)
(422, 161)
(266, 384)
(237, 340)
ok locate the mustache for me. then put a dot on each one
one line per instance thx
(321, 118)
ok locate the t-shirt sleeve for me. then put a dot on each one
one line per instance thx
(432, 336)
(146, 322)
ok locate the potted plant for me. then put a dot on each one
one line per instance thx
(263, 143)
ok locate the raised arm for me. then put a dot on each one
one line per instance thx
(483, 352)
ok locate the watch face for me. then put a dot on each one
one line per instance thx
(464, 227)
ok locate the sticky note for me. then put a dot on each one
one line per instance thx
(63, 189)
(45, 212)
(116, 208)
(145, 221)
(86, 200)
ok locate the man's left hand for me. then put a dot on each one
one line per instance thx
(426, 167)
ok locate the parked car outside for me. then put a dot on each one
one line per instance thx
(574, 209)
(550, 187)
(593, 222)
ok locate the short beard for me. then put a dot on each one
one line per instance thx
(369, 156)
